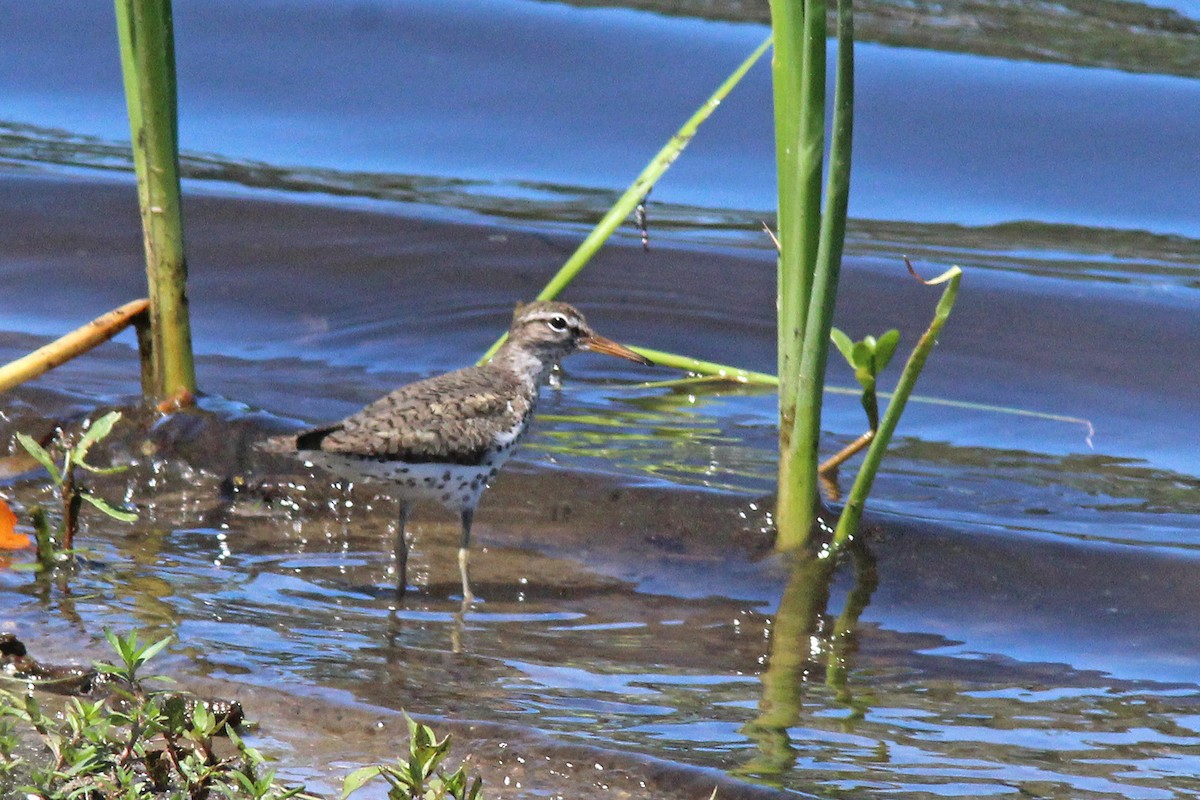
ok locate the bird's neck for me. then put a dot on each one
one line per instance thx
(529, 365)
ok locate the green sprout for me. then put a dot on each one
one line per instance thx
(867, 358)
(420, 777)
(53, 546)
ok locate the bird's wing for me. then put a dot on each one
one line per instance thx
(451, 417)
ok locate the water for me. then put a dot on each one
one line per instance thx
(391, 177)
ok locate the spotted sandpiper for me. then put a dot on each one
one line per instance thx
(445, 437)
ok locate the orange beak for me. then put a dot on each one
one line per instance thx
(599, 344)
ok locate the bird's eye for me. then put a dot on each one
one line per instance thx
(558, 323)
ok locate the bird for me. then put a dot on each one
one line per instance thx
(444, 438)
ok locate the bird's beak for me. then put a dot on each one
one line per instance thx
(599, 344)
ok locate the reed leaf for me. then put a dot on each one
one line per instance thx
(707, 368)
(642, 184)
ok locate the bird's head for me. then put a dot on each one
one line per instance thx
(551, 330)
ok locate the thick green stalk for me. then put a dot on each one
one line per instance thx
(787, 24)
(851, 515)
(147, 42)
(642, 184)
(802, 453)
(799, 94)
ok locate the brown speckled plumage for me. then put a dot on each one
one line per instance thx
(443, 438)
(452, 418)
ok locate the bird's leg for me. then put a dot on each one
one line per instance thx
(402, 551)
(464, 555)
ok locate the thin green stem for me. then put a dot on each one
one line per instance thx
(642, 184)
(852, 513)
(695, 365)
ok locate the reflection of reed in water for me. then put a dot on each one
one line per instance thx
(802, 639)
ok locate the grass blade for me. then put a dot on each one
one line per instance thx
(628, 201)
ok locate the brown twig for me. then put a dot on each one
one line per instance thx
(75, 343)
(843, 455)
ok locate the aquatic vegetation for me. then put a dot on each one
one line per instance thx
(847, 524)
(421, 776)
(811, 237)
(117, 736)
(147, 40)
(867, 358)
(54, 545)
(133, 743)
(634, 196)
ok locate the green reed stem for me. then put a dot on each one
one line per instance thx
(798, 92)
(852, 513)
(811, 243)
(642, 184)
(147, 44)
(802, 452)
(790, 91)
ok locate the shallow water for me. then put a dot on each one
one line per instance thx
(1030, 630)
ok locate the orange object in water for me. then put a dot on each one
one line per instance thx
(9, 538)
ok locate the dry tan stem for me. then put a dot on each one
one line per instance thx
(843, 455)
(75, 343)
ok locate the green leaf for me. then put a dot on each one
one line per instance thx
(115, 642)
(247, 782)
(102, 470)
(107, 508)
(152, 650)
(96, 431)
(357, 779)
(862, 354)
(886, 349)
(38, 452)
(842, 342)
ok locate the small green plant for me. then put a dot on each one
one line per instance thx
(882, 429)
(10, 761)
(133, 744)
(133, 655)
(56, 545)
(421, 776)
(867, 358)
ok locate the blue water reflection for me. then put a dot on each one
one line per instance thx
(518, 91)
